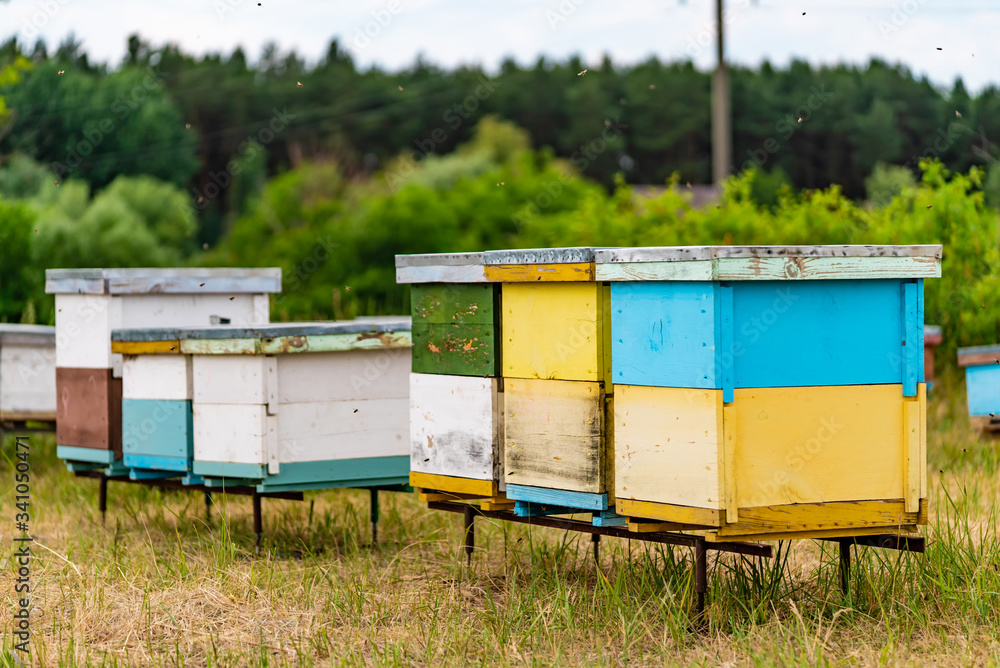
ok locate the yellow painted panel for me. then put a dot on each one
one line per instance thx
(146, 347)
(922, 395)
(443, 483)
(667, 445)
(817, 444)
(675, 514)
(522, 273)
(552, 330)
(715, 537)
(911, 438)
(840, 516)
(553, 434)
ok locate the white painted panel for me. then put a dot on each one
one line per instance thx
(229, 379)
(27, 379)
(230, 433)
(340, 376)
(343, 430)
(83, 330)
(169, 310)
(453, 428)
(157, 377)
(261, 310)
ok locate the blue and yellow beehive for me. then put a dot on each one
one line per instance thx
(769, 392)
(982, 385)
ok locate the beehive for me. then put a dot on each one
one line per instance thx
(556, 377)
(770, 391)
(27, 373)
(285, 407)
(90, 303)
(456, 392)
(982, 386)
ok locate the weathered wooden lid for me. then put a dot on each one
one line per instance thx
(27, 335)
(439, 260)
(979, 355)
(932, 335)
(140, 281)
(269, 339)
(540, 255)
(440, 268)
(736, 263)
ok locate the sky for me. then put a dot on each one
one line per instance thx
(940, 39)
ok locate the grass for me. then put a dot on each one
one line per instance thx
(159, 585)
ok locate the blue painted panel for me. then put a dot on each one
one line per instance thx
(982, 384)
(913, 339)
(664, 333)
(609, 518)
(784, 334)
(725, 359)
(157, 463)
(91, 455)
(528, 509)
(157, 428)
(558, 497)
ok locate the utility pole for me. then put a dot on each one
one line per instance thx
(722, 148)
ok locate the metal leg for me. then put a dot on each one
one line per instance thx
(258, 521)
(208, 506)
(102, 498)
(595, 538)
(312, 504)
(374, 509)
(845, 566)
(701, 573)
(470, 533)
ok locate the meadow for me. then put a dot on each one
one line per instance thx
(159, 584)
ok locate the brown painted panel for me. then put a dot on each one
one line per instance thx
(89, 409)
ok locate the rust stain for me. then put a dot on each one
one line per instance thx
(468, 346)
(290, 344)
(430, 442)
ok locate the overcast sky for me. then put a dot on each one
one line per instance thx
(449, 32)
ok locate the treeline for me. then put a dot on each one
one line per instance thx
(206, 123)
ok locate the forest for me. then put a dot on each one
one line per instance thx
(327, 170)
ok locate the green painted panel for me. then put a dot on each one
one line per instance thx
(454, 303)
(459, 350)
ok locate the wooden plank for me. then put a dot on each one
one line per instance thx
(982, 388)
(146, 347)
(913, 339)
(554, 434)
(324, 343)
(551, 330)
(725, 355)
(439, 260)
(28, 380)
(987, 356)
(911, 441)
(656, 271)
(845, 515)
(460, 350)
(220, 347)
(640, 526)
(730, 473)
(352, 429)
(440, 483)
(700, 517)
(826, 268)
(347, 376)
(88, 409)
(196, 285)
(813, 444)
(497, 504)
(140, 311)
(667, 443)
(688, 253)
(454, 430)
(230, 433)
(714, 537)
(922, 397)
(538, 256)
(157, 377)
(229, 379)
(27, 335)
(540, 273)
(474, 273)
(557, 497)
(664, 334)
(427, 495)
(454, 304)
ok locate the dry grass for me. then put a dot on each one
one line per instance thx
(158, 585)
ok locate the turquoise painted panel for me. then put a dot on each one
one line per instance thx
(396, 484)
(73, 454)
(665, 334)
(528, 509)
(913, 338)
(609, 518)
(347, 471)
(783, 334)
(148, 474)
(157, 428)
(982, 384)
(153, 463)
(229, 470)
(557, 497)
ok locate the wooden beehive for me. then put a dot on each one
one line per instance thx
(27, 373)
(982, 386)
(770, 391)
(556, 376)
(285, 407)
(456, 392)
(90, 303)
(932, 339)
